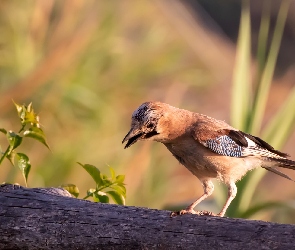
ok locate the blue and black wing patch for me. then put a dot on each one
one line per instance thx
(224, 145)
(235, 143)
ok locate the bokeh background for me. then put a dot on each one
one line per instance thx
(87, 65)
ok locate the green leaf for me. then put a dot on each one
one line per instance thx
(101, 197)
(3, 131)
(119, 189)
(120, 178)
(242, 72)
(94, 172)
(14, 140)
(263, 206)
(37, 134)
(266, 69)
(27, 114)
(262, 39)
(267, 74)
(30, 107)
(106, 182)
(10, 156)
(282, 123)
(24, 165)
(252, 180)
(113, 174)
(95, 197)
(123, 188)
(72, 189)
(30, 116)
(118, 198)
(21, 110)
(98, 196)
(104, 177)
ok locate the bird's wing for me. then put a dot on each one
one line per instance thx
(234, 143)
(222, 139)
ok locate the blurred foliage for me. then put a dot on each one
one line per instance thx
(87, 65)
(249, 106)
(30, 127)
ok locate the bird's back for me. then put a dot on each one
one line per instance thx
(211, 148)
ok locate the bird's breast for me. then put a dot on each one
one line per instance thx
(192, 155)
(206, 164)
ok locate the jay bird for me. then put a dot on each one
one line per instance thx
(208, 148)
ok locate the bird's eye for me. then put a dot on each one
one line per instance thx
(150, 125)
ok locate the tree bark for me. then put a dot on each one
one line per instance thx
(40, 218)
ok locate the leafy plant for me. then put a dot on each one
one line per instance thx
(106, 187)
(248, 106)
(30, 127)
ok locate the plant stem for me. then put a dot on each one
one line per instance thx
(22, 128)
(97, 190)
(8, 148)
(4, 155)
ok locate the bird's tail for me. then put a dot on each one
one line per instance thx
(272, 163)
(285, 163)
(281, 162)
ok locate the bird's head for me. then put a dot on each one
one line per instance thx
(144, 123)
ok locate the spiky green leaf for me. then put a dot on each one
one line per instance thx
(27, 114)
(21, 110)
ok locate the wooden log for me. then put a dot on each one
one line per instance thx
(39, 218)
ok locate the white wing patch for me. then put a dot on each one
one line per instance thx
(255, 150)
(251, 143)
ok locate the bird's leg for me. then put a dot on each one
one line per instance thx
(208, 190)
(232, 192)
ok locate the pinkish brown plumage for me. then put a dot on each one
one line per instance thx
(209, 148)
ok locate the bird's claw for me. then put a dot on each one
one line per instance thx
(186, 211)
(182, 212)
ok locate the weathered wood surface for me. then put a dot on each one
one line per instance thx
(48, 219)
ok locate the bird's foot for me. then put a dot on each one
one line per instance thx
(191, 211)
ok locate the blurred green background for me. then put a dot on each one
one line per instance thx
(87, 65)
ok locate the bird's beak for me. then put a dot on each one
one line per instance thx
(133, 136)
